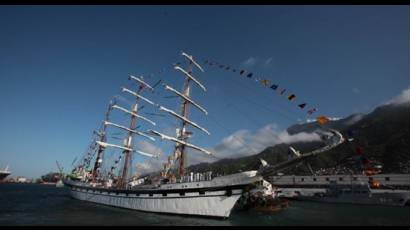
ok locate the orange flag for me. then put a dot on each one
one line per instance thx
(291, 97)
(264, 82)
(322, 120)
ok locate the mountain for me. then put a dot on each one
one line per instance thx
(384, 134)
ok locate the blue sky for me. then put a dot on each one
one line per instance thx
(60, 65)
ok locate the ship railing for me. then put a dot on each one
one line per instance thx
(193, 177)
(197, 177)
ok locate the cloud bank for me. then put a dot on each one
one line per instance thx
(239, 144)
(402, 98)
(354, 119)
(150, 165)
(245, 143)
(330, 118)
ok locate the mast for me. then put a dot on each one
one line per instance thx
(133, 122)
(182, 134)
(100, 150)
(127, 149)
(185, 101)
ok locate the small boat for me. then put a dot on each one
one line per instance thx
(60, 184)
(263, 198)
(271, 206)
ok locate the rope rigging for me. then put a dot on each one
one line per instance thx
(157, 95)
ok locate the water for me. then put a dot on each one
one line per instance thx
(31, 204)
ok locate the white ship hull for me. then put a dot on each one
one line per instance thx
(214, 198)
(210, 205)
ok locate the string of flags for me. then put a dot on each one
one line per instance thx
(264, 82)
(273, 86)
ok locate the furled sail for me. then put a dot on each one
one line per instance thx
(167, 87)
(190, 77)
(147, 154)
(134, 114)
(105, 145)
(184, 119)
(129, 130)
(137, 95)
(141, 81)
(163, 136)
(191, 59)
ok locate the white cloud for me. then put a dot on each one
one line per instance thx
(246, 143)
(310, 120)
(146, 146)
(239, 144)
(354, 119)
(268, 61)
(249, 62)
(169, 130)
(334, 118)
(150, 164)
(402, 98)
(330, 118)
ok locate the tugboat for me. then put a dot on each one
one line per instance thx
(262, 198)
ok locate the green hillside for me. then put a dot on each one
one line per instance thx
(384, 135)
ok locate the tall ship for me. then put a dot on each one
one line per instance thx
(4, 173)
(172, 190)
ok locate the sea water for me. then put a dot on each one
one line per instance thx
(34, 204)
